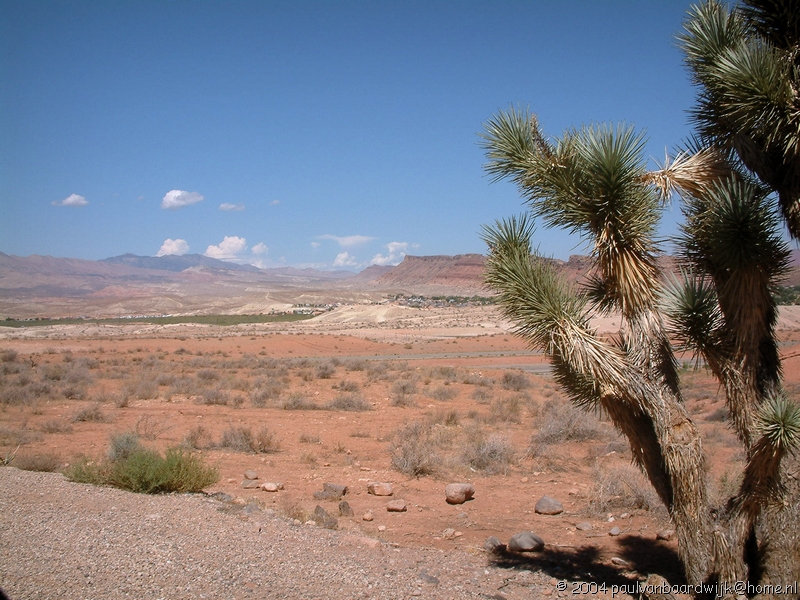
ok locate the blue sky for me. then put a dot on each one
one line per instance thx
(326, 134)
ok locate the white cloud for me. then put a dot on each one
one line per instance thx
(345, 260)
(259, 248)
(348, 240)
(394, 256)
(228, 249)
(315, 245)
(275, 202)
(229, 206)
(72, 200)
(171, 246)
(179, 198)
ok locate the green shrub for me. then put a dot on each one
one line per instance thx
(147, 472)
(123, 445)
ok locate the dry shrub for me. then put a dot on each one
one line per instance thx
(213, 397)
(490, 454)
(482, 396)
(349, 402)
(448, 418)
(415, 450)
(45, 463)
(90, 414)
(265, 393)
(563, 422)
(143, 388)
(149, 427)
(346, 385)
(198, 438)
(515, 381)
(325, 370)
(242, 439)
(622, 487)
(403, 392)
(506, 410)
(443, 393)
(56, 426)
(297, 401)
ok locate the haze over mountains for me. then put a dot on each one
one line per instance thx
(126, 285)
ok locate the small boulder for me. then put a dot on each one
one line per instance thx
(344, 509)
(665, 534)
(494, 545)
(585, 526)
(449, 533)
(250, 474)
(525, 541)
(620, 562)
(615, 531)
(271, 486)
(396, 506)
(250, 484)
(458, 493)
(548, 506)
(377, 488)
(367, 516)
(323, 519)
(331, 491)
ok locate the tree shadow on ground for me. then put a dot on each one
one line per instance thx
(586, 563)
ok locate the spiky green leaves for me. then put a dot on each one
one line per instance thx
(744, 62)
(779, 423)
(733, 228)
(694, 313)
(530, 292)
(592, 182)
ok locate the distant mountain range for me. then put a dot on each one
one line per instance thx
(192, 283)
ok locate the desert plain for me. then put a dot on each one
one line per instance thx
(414, 397)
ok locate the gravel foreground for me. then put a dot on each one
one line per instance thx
(65, 540)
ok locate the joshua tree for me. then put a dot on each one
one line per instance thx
(594, 181)
(746, 64)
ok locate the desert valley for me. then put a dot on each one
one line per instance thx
(405, 376)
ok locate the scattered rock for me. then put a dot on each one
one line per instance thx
(331, 491)
(525, 541)
(583, 526)
(367, 516)
(251, 508)
(396, 506)
(449, 533)
(665, 534)
(458, 493)
(620, 562)
(271, 486)
(324, 519)
(250, 484)
(344, 509)
(381, 528)
(615, 531)
(494, 545)
(549, 506)
(377, 488)
(250, 474)
(428, 578)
